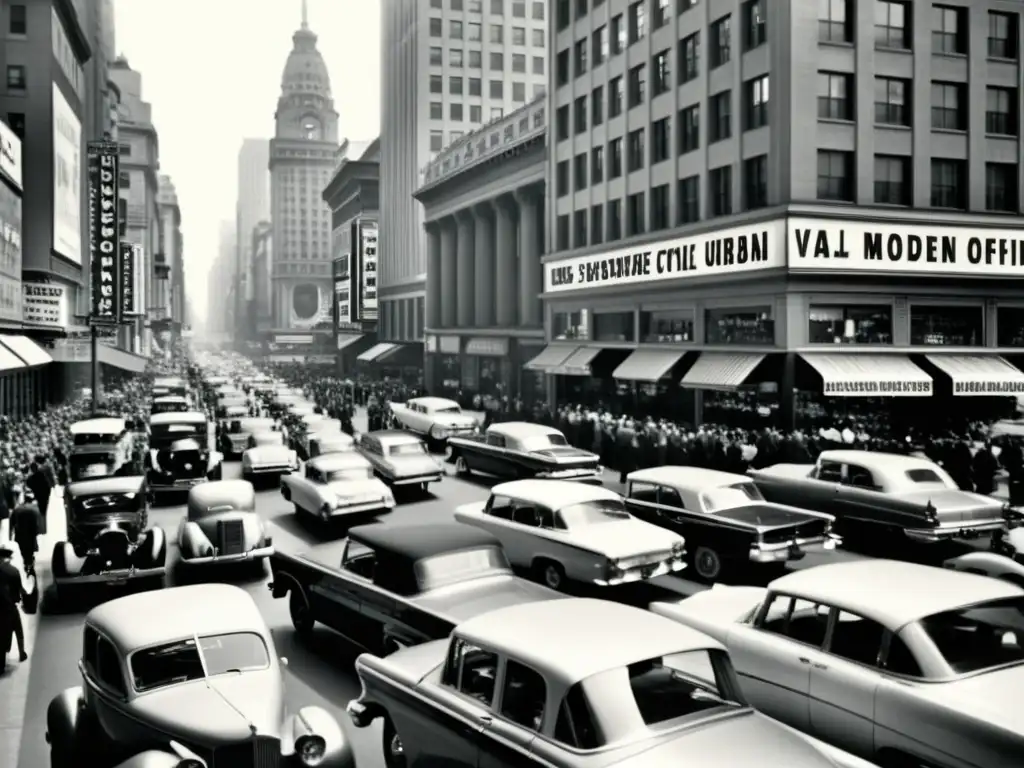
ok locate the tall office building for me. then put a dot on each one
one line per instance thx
(221, 303)
(252, 207)
(171, 292)
(446, 69)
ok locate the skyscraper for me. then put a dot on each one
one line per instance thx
(253, 206)
(446, 69)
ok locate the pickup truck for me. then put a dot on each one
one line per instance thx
(337, 485)
(396, 586)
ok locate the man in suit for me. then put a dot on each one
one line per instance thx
(26, 527)
(11, 592)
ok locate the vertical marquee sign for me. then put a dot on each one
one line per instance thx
(104, 238)
(128, 267)
(368, 270)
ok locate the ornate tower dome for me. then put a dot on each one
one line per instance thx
(305, 109)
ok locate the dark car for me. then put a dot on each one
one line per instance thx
(179, 453)
(395, 586)
(520, 450)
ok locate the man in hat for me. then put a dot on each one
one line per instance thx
(10, 595)
(26, 527)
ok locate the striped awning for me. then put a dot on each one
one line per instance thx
(376, 351)
(647, 364)
(577, 364)
(722, 371)
(856, 374)
(979, 375)
(549, 357)
(27, 350)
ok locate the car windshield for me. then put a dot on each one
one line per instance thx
(458, 567)
(268, 438)
(979, 637)
(350, 473)
(593, 513)
(181, 661)
(730, 496)
(448, 409)
(108, 503)
(92, 464)
(542, 442)
(96, 438)
(407, 449)
(164, 435)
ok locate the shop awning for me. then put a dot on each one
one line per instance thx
(27, 350)
(721, 371)
(550, 357)
(118, 358)
(855, 374)
(9, 361)
(376, 351)
(387, 354)
(577, 364)
(347, 339)
(647, 364)
(979, 375)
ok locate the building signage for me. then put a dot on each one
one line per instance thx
(343, 290)
(853, 246)
(878, 388)
(45, 304)
(722, 252)
(67, 179)
(10, 156)
(368, 270)
(104, 233)
(10, 254)
(449, 345)
(129, 264)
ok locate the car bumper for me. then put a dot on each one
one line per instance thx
(948, 532)
(788, 551)
(270, 470)
(258, 553)
(416, 480)
(358, 509)
(640, 573)
(181, 484)
(113, 578)
(589, 476)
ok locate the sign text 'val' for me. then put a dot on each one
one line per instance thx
(104, 231)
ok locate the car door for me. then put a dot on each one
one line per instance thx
(862, 498)
(109, 696)
(340, 593)
(642, 502)
(306, 491)
(499, 519)
(519, 715)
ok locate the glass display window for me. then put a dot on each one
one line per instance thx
(746, 325)
(1010, 327)
(614, 326)
(949, 326)
(666, 326)
(857, 324)
(570, 326)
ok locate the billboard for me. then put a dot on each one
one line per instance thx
(46, 304)
(67, 179)
(342, 290)
(10, 156)
(104, 238)
(131, 265)
(10, 254)
(368, 270)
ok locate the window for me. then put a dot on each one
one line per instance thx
(720, 182)
(579, 225)
(519, 92)
(689, 58)
(637, 21)
(662, 13)
(720, 124)
(948, 113)
(892, 28)
(757, 102)
(580, 115)
(635, 150)
(518, 35)
(617, 35)
(1002, 36)
(947, 326)
(949, 180)
(689, 129)
(799, 620)
(436, 27)
(582, 8)
(108, 666)
(685, 5)
(562, 123)
(562, 232)
(614, 220)
(475, 110)
(476, 60)
(949, 30)
(523, 696)
(474, 32)
(579, 172)
(456, 5)
(538, 65)
(455, 86)
(474, 86)
(1010, 327)
(661, 131)
(892, 180)
(755, 28)
(688, 200)
(753, 325)
(835, 175)
(455, 30)
(436, 84)
(562, 15)
(576, 725)
(497, 61)
(833, 21)
(637, 85)
(455, 57)
(667, 326)
(660, 207)
(455, 113)
(1001, 111)
(562, 67)
(661, 70)
(721, 42)
(436, 4)
(597, 165)
(16, 120)
(635, 215)
(856, 639)
(597, 106)
(613, 326)
(519, 63)
(562, 178)
(1001, 187)
(436, 141)
(537, 12)
(835, 96)
(537, 38)
(867, 324)
(615, 158)
(124, 180)
(616, 96)
(755, 182)
(580, 57)
(496, 33)
(518, 10)
(892, 101)
(597, 224)
(16, 80)
(18, 20)
(599, 46)
(496, 89)
(471, 671)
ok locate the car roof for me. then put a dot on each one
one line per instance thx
(220, 491)
(170, 398)
(330, 462)
(331, 436)
(553, 493)
(151, 618)
(183, 417)
(434, 402)
(104, 485)
(893, 461)
(892, 592)
(105, 425)
(417, 541)
(521, 429)
(164, 381)
(390, 436)
(696, 478)
(574, 638)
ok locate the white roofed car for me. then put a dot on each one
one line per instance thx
(564, 530)
(337, 485)
(435, 418)
(221, 525)
(321, 443)
(267, 456)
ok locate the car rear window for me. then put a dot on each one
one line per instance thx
(979, 637)
(677, 685)
(182, 660)
(923, 476)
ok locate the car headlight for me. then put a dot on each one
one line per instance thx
(310, 749)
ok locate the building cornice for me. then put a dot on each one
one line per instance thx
(349, 176)
(76, 34)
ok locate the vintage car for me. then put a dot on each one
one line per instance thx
(520, 450)
(883, 493)
(401, 460)
(101, 447)
(268, 458)
(179, 453)
(221, 525)
(563, 530)
(108, 539)
(170, 385)
(320, 444)
(170, 404)
(724, 519)
(399, 585)
(527, 685)
(235, 432)
(436, 418)
(993, 564)
(898, 663)
(191, 672)
(335, 486)
(232, 406)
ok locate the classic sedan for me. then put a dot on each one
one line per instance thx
(563, 530)
(400, 459)
(898, 663)
(268, 458)
(883, 493)
(725, 519)
(321, 444)
(519, 450)
(190, 672)
(337, 485)
(236, 429)
(435, 418)
(528, 685)
(221, 525)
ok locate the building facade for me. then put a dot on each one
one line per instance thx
(252, 207)
(221, 310)
(261, 246)
(483, 201)
(167, 325)
(302, 158)
(446, 69)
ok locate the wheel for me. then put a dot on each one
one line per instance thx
(707, 563)
(461, 467)
(394, 753)
(300, 612)
(551, 574)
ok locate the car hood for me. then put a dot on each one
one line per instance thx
(478, 596)
(412, 465)
(783, 470)
(988, 697)
(624, 538)
(269, 453)
(346, 489)
(250, 524)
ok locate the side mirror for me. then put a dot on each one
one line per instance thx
(284, 661)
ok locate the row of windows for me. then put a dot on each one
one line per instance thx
(473, 32)
(496, 60)
(494, 7)
(437, 142)
(457, 86)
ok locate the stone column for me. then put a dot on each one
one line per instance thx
(530, 276)
(433, 299)
(465, 269)
(506, 282)
(447, 270)
(483, 273)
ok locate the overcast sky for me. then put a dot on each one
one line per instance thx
(212, 71)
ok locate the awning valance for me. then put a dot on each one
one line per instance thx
(376, 351)
(27, 350)
(856, 374)
(979, 375)
(347, 339)
(577, 364)
(723, 371)
(550, 357)
(647, 364)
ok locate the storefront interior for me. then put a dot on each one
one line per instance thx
(393, 361)
(485, 369)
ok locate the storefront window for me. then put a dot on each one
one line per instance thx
(571, 326)
(614, 326)
(867, 324)
(448, 373)
(531, 383)
(666, 326)
(753, 325)
(947, 326)
(1010, 327)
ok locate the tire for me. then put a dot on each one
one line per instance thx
(394, 754)
(550, 574)
(707, 564)
(300, 611)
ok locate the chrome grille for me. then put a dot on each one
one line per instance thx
(231, 537)
(258, 752)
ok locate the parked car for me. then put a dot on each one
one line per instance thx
(898, 663)
(320, 444)
(884, 493)
(563, 530)
(236, 429)
(191, 672)
(725, 519)
(179, 453)
(435, 418)
(520, 450)
(400, 459)
(170, 385)
(312, 426)
(170, 404)
(267, 458)
(528, 685)
(109, 541)
(233, 406)
(101, 447)
(221, 525)
(337, 485)
(399, 585)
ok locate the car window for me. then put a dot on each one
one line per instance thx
(924, 475)
(830, 471)
(855, 638)
(526, 514)
(472, 671)
(311, 473)
(359, 559)
(523, 696)
(496, 440)
(797, 619)
(676, 685)
(89, 640)
(181, 661)
(860, 477)
(500, 507)
(575, 725)
(646, 492)
(669, 497)
(900, 660)
(981, 636)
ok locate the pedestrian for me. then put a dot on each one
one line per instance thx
(11, 592)
(39, 483)
(26, 527)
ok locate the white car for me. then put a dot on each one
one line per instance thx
(562, 530)
(268, 457)
(337, 485)
(436, 418)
